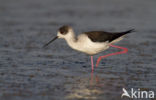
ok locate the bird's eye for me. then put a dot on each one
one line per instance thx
(61, 32)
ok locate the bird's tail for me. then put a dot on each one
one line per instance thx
(120, 34)
(129, 31)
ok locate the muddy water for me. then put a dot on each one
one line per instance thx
(57, 72)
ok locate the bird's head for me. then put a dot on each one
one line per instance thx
(64, 32)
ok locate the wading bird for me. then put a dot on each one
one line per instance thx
(92, 42)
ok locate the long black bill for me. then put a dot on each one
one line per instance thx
(50, 41)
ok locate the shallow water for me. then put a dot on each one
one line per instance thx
(57, 72)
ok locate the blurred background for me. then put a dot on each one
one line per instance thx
(27, 71)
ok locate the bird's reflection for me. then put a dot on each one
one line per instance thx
(86, 89)
(105, 85)
(94, 79)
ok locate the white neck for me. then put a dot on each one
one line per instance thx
(71, 40)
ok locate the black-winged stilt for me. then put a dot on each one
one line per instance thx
(92, 42)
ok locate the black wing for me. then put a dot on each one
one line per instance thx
(101, 36)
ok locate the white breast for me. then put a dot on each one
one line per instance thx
(84, 44)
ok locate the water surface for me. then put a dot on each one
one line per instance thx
(57, 72)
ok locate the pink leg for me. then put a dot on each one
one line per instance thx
(125, 50)
(92, 63)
